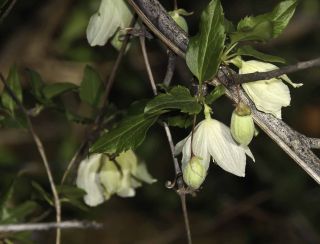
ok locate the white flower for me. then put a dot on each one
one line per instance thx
(88, 180)
(212, 138)
(268, 96)
(102, 177)
(102, 25)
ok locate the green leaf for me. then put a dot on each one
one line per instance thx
(178, 98)
(70, 191)
(217, 92)
(18, 213)
(266, 26)
(129, 134)
(13, 82)
(204, 50)
(53, 90)
(251, 52)
(91, 87)
(36, 84)
(182, 121)
(252, 30)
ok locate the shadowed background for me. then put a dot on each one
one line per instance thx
(276, 202)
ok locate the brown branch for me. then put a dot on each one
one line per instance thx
(47, 226)
(243, 78)
(41, 152)
(296, 145)
(181, 191)
(170, 68)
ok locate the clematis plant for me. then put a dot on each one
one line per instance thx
(111, 15)
(102, 177)
(212, 139)
(269, 96)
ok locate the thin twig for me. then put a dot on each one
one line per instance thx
(42, 154)
(7, 11)
(51, 225)
(96, 128)
(180, 184)
(170, 68)
(244, 78)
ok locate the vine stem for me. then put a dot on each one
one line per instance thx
(42, 153)
(181, 191)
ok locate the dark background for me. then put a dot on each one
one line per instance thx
(276, 202)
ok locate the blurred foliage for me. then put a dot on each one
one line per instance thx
(276, 202)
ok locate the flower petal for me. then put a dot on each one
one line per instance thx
(110, 177)
(225, 151)
(103, 24)
(269, 96)
(88, 180)
(143, 174)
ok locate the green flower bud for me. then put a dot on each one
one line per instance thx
(194, 173)
(179, 20)
(242, 126)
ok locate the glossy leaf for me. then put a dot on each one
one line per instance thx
(178, 98)
(129, 134)
(266, 26)
(204, 49)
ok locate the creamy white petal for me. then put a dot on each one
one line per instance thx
(142, 174)
(102, 25)
(288, 80)
(125, 189)
(88, 180)
(225, 151)
(249, 153)
(269, 96)
(110, 177)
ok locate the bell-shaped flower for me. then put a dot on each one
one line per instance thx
(212, 139)
(111, 15)
(101, 177)
(269, 96)
(88, 180)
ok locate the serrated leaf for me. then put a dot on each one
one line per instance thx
(91, 87)
(13, 82)
(217, 92)
(251, 52)
(53, 90)
(178, 98)
(266, 26)
(129, 134)
(204, 50)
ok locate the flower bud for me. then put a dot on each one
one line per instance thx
(179, 20)
(242, 126)
(194, 173)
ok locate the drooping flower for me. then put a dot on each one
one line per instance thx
(111, 15)
(269, 96)
(102, 177)
(88, 180)
(242, 125)
(212, 139)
